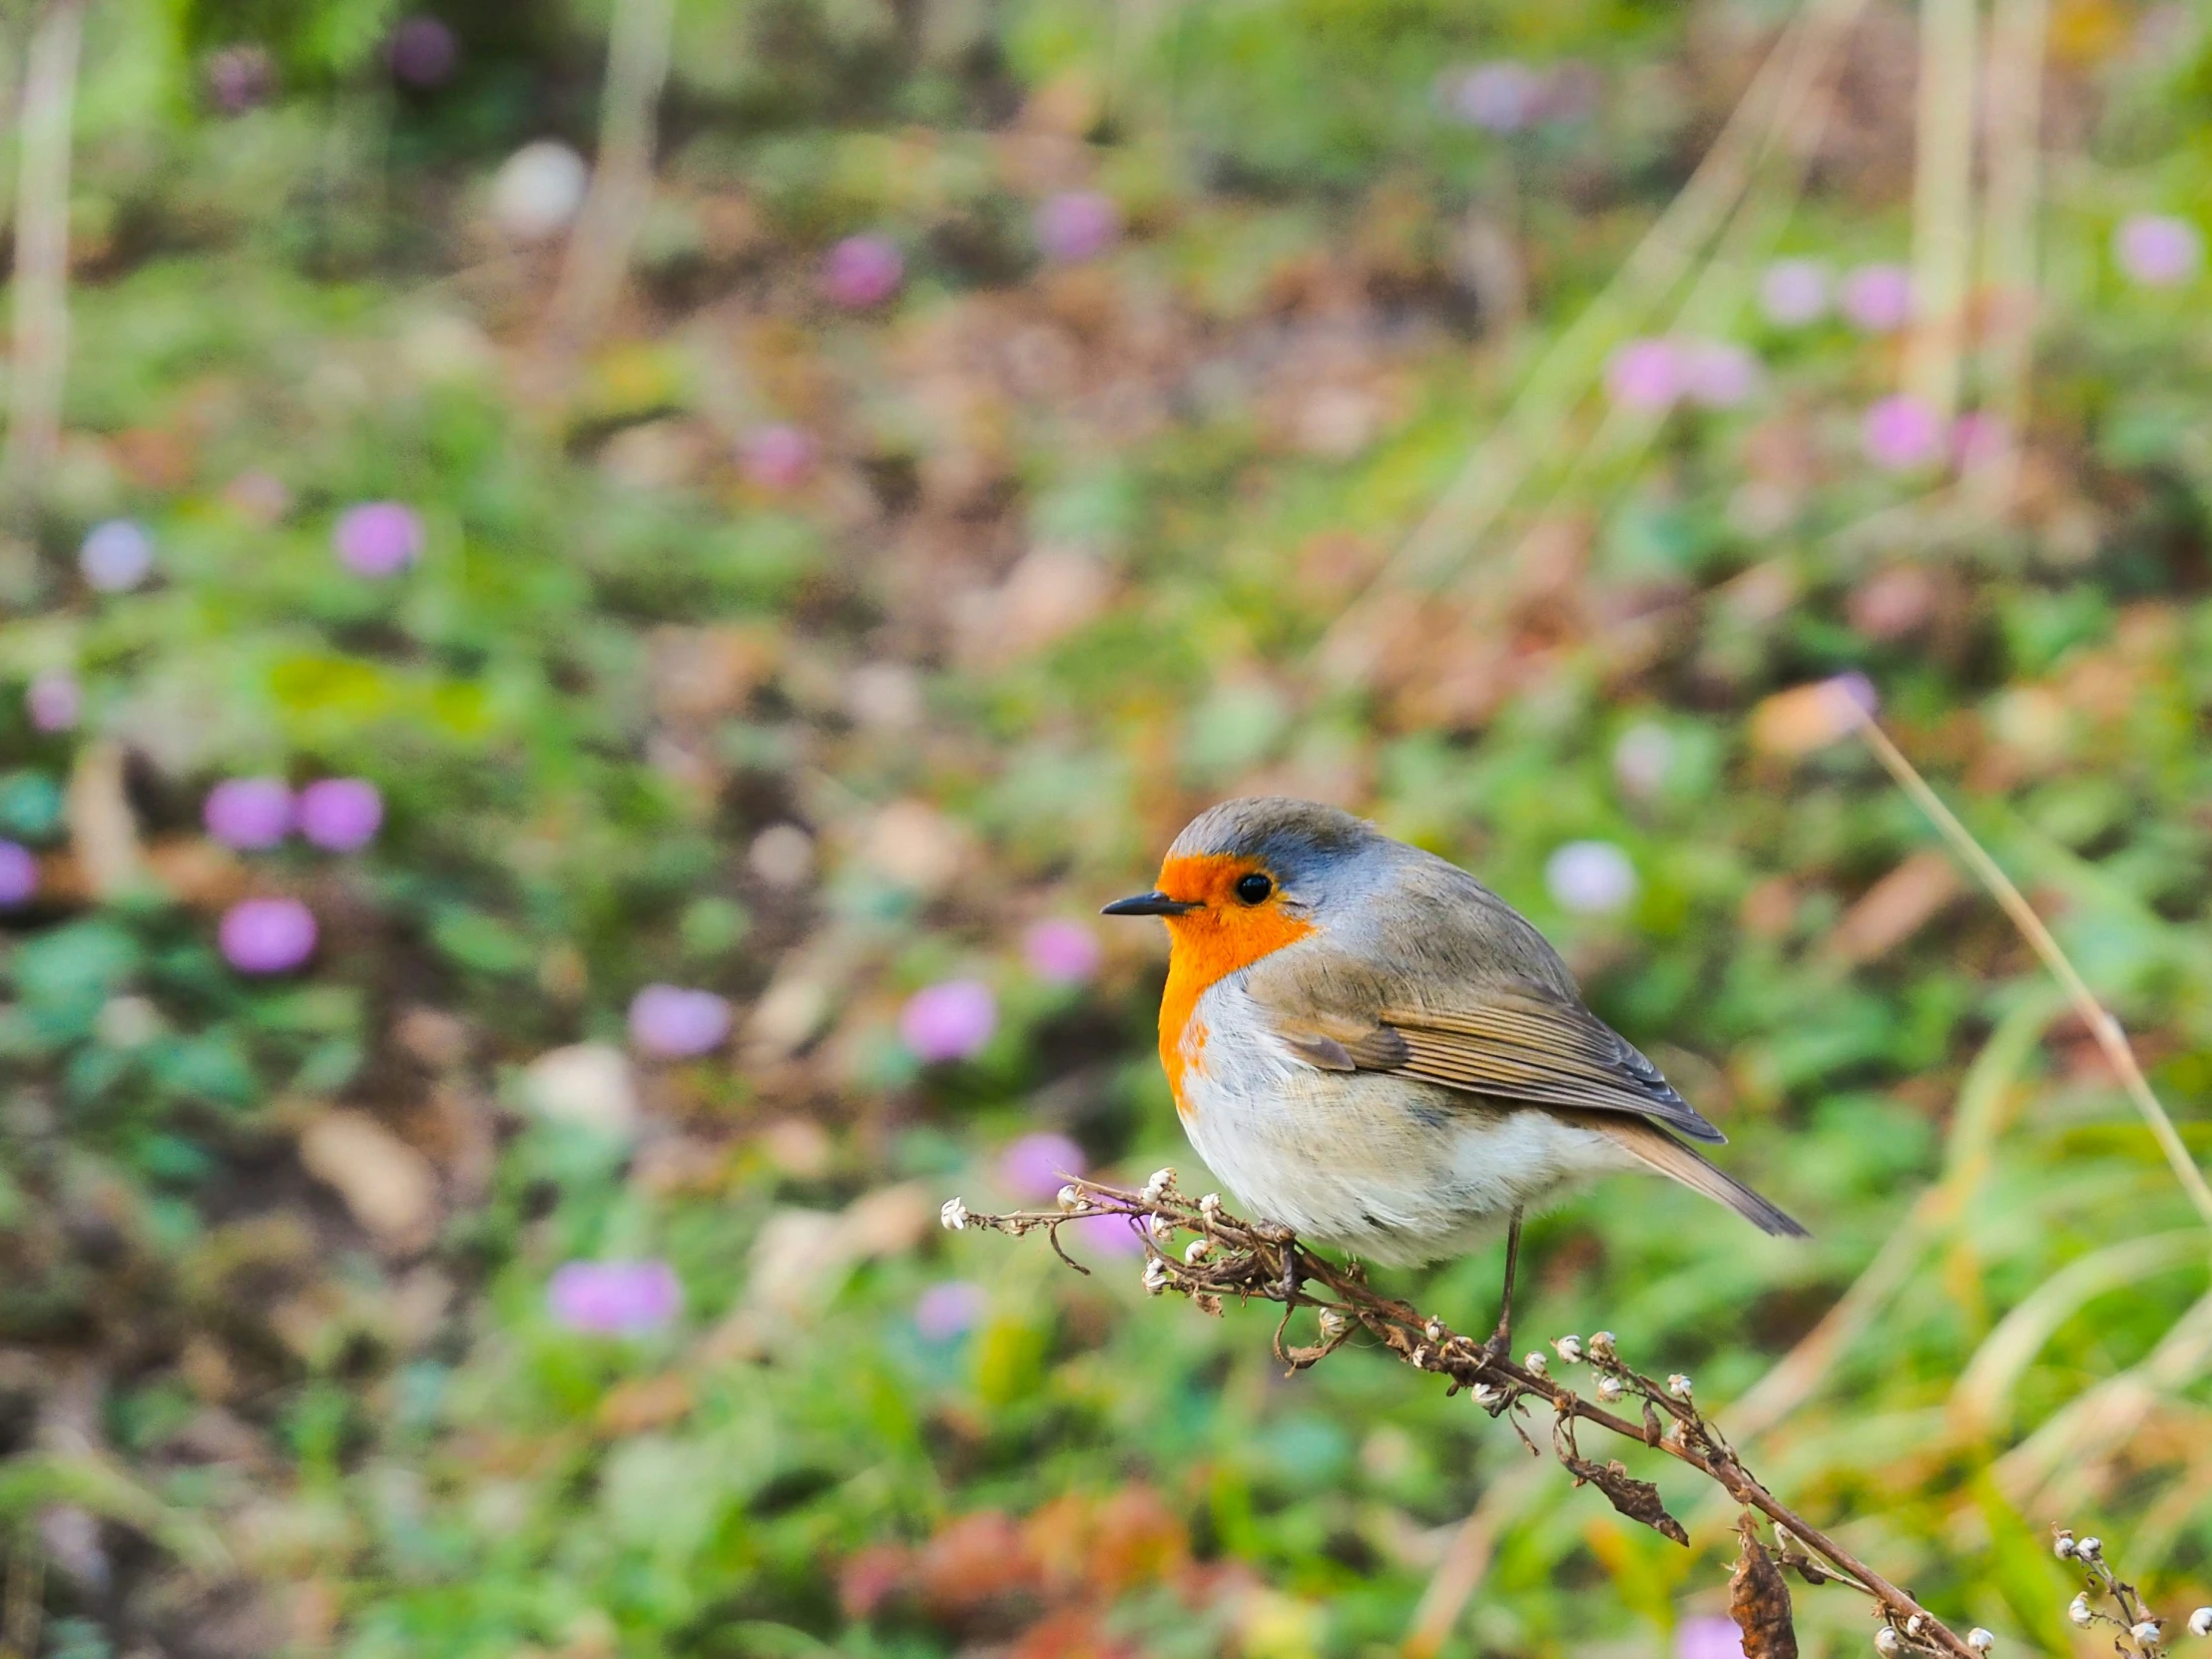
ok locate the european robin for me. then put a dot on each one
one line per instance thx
(1371, 1047)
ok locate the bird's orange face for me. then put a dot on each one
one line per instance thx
(1235, 915)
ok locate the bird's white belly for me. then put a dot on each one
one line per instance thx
(1395, 1171)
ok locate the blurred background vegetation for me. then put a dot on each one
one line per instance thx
(595, 594)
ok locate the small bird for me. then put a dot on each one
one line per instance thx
(1371, 1047)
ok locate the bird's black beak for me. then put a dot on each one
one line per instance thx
(1149, 904)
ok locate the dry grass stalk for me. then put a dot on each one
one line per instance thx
(41, 354)
(1943, 204)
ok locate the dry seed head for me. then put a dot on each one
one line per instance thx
(1536, 1364)
(2079, 1610)
(2090, 1548)
(1419, 1360)
(1155, 1276)
(1434, 1331)
(1886, 1642)
(2200, 1622)
(1602, 1345)
(1159, 1185)
(1917, 1626)
(1609, 1388)
(1333, 1323)
(1207, 1302)
(2146, 1633)
(1980, 1640)
(1069, 1199)
(1679, 1386)
(1484, 1395)
(1161, 1228)
(2064, 1546)
(1569, 1348)
(1210, 1205)
(953, 1216)
(1197, 1250)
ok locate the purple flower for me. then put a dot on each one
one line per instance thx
(1066, 952)
(249, 814)
(1709, 1636)
(423, 52)
(776, 457)
(341, 815)
(1719, 375)
(1877, 299)
(1108, 1235)
(948, 1310)
(1076, 225)
(1645, 374)
(54, 700)
(239, 77)
(1037, 1166)
(18, 875)
(378, 538)
(949, 1021)
(1499, 97)
(862, 271)
(267, 936)
(2157, 251)
(614, 1299)
(1794, 292)
(1900, 433)
(675, 1023)
(1856, 691)
(116, 556)
(1591, 878)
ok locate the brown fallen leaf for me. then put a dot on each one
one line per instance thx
(388, 1186)
(1759, 1601)
(1895, 908)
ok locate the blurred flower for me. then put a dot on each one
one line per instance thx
(116, 556)
(1591, 878)
(1076, 225)
(862, 271)
(948, 1310)
(1877, 299)
(1709, 1636)
(1794, 292)
(267, 936)
(1641, 758)
(1499, 97)
(240, 77)
(1034, 1166)
(538, 190)
(249, 814)
(378, 538)
(1719, 375)
(1645, 374)
(776, 457)
(18, 875)
(675, 1023)
(950, 1020)
(2157, 251)
(1066, 952)
(341, 815)
(1900, 433)
(783, 855)
(54, 700)
(614, 1299)
(423, 52)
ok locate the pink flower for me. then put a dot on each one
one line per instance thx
(776, 457)
(423, 52)
(1794, 292)
(54, 700)
(948, 1310)
(949, 1021)
(267, 936)
(1076, 225)
(18, 875)
(1719, 375)
(1108, 1235)
(2157, 251)
(1066, 952)
(1645, 374)
(341, 815)
(1877, 299)
(250, 813)
(1037, 1166)
(378, 538)
(1499, 97)
(116, 556)
(862, 271)
(1708, 1637)
(675, 1023)
(1900, 433)
(614, 1299)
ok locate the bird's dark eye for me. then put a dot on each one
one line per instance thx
(1254, 889)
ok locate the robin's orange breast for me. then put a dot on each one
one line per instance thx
(1208, 944)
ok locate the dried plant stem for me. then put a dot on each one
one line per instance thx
(2018, 34)
(1252, 1260)
(41, 352)
(2108, 1032)
(1943, 203)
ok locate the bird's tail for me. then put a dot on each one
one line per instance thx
(1654, 1147)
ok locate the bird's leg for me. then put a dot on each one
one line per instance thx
(1502, 1340)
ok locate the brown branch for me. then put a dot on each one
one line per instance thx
(1229, 1256)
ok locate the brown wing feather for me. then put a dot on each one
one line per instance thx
(1660, 1151)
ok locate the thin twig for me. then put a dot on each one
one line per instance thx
(1943, 204)
(42, 256)
(2109, 1034)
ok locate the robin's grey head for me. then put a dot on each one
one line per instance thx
(1264, 850)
